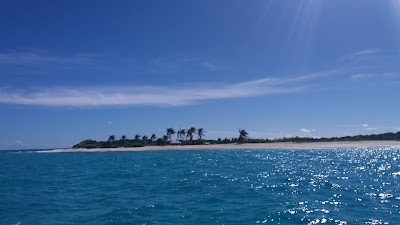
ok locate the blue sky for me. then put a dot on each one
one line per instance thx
(72, 70)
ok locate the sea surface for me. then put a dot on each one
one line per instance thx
(337, 186)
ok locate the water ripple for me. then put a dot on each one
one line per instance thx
(337, 186)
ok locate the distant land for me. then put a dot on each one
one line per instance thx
(186, 137)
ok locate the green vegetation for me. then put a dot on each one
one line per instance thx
(108, 144)
(186, 137)
(190, 134)
(243, 135)
(170, 132)
(200, 132)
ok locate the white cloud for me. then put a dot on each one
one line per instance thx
(18, 142)
(304, 130)
(109, 122)
(152, 95)
(367, 127)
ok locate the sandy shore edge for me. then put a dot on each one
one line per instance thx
(288, 145)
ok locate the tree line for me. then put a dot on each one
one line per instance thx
(190, 136)
(194, 136)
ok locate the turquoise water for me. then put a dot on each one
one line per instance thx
(345, 186)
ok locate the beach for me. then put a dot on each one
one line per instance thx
(279, 145)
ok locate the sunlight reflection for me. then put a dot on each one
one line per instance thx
(394, 6)
(304, 24)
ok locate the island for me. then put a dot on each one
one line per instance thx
(193, 139)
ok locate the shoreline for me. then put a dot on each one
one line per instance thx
(247, 146)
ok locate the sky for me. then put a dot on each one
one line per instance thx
(75, 70)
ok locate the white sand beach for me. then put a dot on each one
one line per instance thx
(288, 145)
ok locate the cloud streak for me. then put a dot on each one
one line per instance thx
(38, 59)
(360, 58)
(152, 95)
(361, 53)
(179, 62)
(366, 52)
(364, 76)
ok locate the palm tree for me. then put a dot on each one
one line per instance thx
(200, 132)
(170, 132)
(153, 137)
(145, 139)
(111, 138)
(137, 136)
(242, 135)
(183, 134)
(179, 134)
(122, 140)
(190, 133)
(165, 138)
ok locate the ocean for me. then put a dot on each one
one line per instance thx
(336, 186)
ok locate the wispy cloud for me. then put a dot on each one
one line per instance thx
(209, 66)
(180, 62)
(361, 53)
(44, 60)
(366, 52)
(361, 56)
(361, 76)
(153, 95)
(378, 64)
(170, 62)
(364, 76)
(21, 144)
(37, 59)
